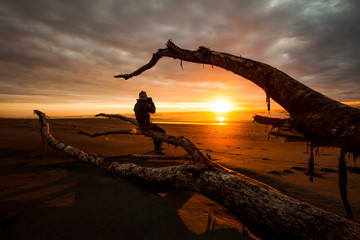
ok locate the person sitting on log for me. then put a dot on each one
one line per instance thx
(143, 107)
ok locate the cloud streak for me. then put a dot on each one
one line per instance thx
(69, 50)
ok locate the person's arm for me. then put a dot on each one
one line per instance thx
(151, 106)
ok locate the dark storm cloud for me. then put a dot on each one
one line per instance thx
(71, 46)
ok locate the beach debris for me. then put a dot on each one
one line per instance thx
(320, 119)
(266, 212)
(196, 155)
(115, 131)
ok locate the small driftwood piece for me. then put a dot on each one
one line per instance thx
(266, 212)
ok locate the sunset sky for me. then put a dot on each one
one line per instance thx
(60, 56)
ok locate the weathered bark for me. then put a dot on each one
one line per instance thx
(284, 128)
(288, 137)
(193, 152)
(323, 121)
(115, 131)
(129, 156)
(126, 119)
(268, 213)
(275, 122)
(186, 144)
(287, 124)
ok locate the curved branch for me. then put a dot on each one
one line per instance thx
(126, 119)
(155, 58)
(74, 152)
(269, 213)
(318, 117)
(108, 132)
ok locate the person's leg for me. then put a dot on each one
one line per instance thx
(157, 144)
(155, 141)
(155, 128)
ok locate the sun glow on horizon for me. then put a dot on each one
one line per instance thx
(221, 106)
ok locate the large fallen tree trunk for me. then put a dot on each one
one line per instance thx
(323, 121)
(268, 213)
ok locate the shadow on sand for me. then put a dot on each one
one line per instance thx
(73, 200)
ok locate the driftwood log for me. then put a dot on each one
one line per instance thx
(321, 120)
(181, 141)
(265, 211)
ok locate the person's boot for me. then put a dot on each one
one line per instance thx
(159, 151)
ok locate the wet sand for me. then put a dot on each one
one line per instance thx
(245, 148)
(48, 195)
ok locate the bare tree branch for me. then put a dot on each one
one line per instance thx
(108, 132)
(155, 58)
(324, 121)
(126, 119)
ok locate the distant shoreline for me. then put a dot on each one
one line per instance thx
(158, 113)
(188, 117)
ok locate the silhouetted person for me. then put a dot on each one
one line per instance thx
(143, 107)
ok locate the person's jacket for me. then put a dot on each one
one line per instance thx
(142, 109)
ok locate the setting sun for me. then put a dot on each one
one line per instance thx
(220, 106)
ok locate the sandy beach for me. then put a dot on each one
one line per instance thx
(49, 195)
